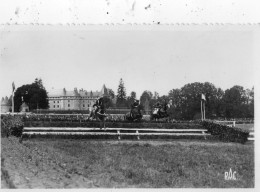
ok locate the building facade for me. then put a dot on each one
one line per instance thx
(6, 104)
(74, 100)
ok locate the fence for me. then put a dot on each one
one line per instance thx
(228, 123)
(119, 132)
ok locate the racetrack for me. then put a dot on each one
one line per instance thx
(81, 163)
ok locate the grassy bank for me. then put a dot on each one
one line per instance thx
(136, 163)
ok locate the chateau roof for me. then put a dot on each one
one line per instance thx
(24, 105)
(6, 101)
(55, 93)
(79, 93)
(104, 91)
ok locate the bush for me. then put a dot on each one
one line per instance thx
(226, 133)
(11, 125)
(113, 124)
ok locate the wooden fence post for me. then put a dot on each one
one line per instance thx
(137, 135)
(118, 132)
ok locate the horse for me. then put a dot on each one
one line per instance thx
(160, 113)
(133, 115)
(99, 115)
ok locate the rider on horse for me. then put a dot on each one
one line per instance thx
(99, 104)
(158, 107)
(136, 105)
(161, 108)
(164, 107)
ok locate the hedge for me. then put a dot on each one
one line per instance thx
(225, 133)
(11, 125)
(114, 124)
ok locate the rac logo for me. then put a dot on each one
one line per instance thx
(230, 175)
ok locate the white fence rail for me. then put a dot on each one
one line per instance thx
(113, 131)
(228, 123)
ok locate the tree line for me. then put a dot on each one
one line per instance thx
(235, 102)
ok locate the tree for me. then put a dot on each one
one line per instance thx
(34, 95)
(111, 93)
(156, 95)
(131, 99)
(235, 102)
(121, 95)
(191, 98)
(146, 95)
(133, 95)
(219, 104)
(251, 103)
(175, 111)
(108, 102)
(187, 100)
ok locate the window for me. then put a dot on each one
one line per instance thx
(53, 101)
(83, 105)
(68, 100)
(58, 101)
(88, 105)
(53, 106)
(57, 106)
(68, 105)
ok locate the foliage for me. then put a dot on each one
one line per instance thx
(146, 96)
(111, 93)
(115, 121)
(108, 102)
(121, 94)
(237, 102)
(34, 95)
(131, 99)
(226, 133)
(11, 125)
(233, 103)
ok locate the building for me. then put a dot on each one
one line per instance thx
(63, 99)
(6, 104)
(24, 107)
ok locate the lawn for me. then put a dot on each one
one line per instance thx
(66, 163)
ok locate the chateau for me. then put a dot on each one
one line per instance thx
(63, 99)
(6, 104)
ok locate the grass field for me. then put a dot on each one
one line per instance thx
(68, 163)
(245, 126)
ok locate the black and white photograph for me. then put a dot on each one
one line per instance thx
(102, 106)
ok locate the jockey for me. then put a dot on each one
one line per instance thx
(164, 107)
(157, 105)
(99, 104)
(136, 105)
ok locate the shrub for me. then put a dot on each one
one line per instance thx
(11, 125)
(226, 133)
(116, 124)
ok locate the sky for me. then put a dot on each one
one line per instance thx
(154, 58)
